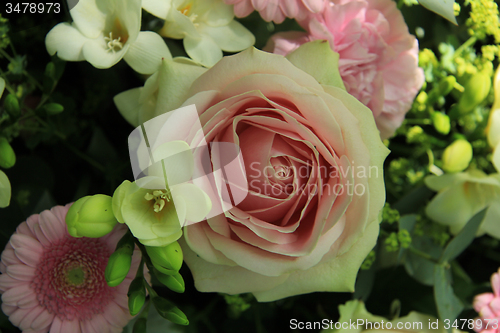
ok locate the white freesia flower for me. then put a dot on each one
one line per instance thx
(207, 27)
(154, 208)
(139, 105)
(105, 31)
(462, 195)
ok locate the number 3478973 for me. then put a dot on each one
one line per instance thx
(32, 8)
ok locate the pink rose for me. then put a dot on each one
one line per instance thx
(378, 57)
(277, 10)
(313, 160)
(487, 305)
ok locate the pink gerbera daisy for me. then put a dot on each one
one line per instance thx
(53, 282)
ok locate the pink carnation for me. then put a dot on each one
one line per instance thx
(53, 282)
(488, 307)
(277, 10)
(378, 57)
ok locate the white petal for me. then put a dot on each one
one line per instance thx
(496, 157)
(158, 8)
(95, 53)
(218, 14)
(67, 41)
(197, 202)
(232, 38)
(490, 223)
(128, 13)
(5, 190)
(203, 50)
(146, 53)
(89, 16)
(127, 103)
(178, 160)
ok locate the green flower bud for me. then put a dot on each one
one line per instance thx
(446, 85)
(166, 259)
(119, 264)
(457, 156)
(174, 282)
(169, 311)
(136, 295)
(11, 105)
(475, 91)
(7, 155)
(441, 122)
(91, 216)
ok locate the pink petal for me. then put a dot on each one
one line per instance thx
(6, 282)
(51, 227)
(87, 327)
(40, 235)
(13, 295)
(28, 319)
(30, 301)
(72, 326)
(116, 315)
(27, 242)
(21, 272)
(8, 309)
(56, 326)
(25, 230)
(28, 257)
(17, 316)
(42, 321)
(9, 257)
(100, 324)
(495, 306)
(482, 300)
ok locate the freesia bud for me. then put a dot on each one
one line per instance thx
(457, 156)
(120, 261)
(174, 282)
(7, 154)
(475, 91)
(119, 264)
(441, 122)
(91, 216)
(447, 84)
(169, 311)
(166, 259)
(136, 295)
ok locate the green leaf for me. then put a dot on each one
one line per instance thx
(418, 267)
(317, 59)
(53, 108)
(464, 238)
(448, 305)
(443, 8)
(412, 201)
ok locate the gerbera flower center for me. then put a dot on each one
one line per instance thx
(69, 280)
(161, 197)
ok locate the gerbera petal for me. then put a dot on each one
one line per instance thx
(15, 294)
(28, 319)
(42, 321)
(49, 228)
(26, 242)
(21, 272)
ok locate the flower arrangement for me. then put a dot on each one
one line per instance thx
(251, 165)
